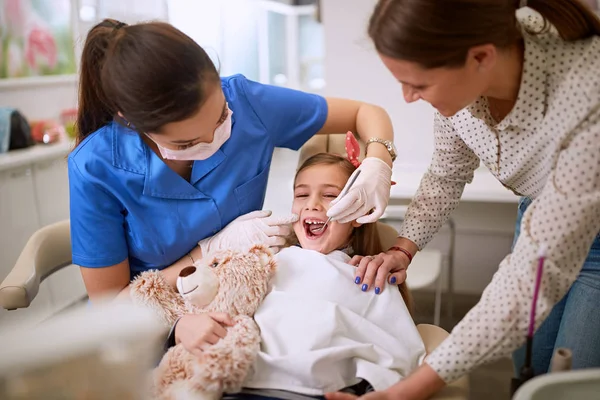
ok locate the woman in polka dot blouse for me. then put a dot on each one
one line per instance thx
(522, 96)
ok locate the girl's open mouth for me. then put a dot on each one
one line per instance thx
(313, 228)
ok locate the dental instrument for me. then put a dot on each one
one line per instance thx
(342, 194)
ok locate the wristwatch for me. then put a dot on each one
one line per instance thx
(389, 145)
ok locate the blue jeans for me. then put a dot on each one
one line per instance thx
(574, 322)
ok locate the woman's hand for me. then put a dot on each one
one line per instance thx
(373, 271)
(197, 331)
(368, 198)
(257, 227)
(423, 383)
(381, 395)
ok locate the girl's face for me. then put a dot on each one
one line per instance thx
(314, 189)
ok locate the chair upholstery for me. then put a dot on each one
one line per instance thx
(47, 251)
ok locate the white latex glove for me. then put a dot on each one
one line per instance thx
(371, 191)
(257, 227)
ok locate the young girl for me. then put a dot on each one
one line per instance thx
(320, 333)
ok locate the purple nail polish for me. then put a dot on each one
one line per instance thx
(364, 287)
(377, 290)
(357, 280)
(393, 280)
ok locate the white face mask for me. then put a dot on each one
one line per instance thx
(200, 151)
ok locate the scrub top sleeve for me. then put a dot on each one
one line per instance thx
(97, 223)
(291, 117)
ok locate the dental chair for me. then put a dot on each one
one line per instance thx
(49, 249)
(578, 384)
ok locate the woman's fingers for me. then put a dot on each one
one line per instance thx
(373, 271)
(275, 241)
(340, 396)
(355, 260)
(397, 278)
(212, 338)
(382, 273)
(197, 352)
(361, 269)
(278, 230)
(218, 330)
(373, 266)
(223, 318)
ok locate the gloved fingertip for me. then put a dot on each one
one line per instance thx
(364, 220)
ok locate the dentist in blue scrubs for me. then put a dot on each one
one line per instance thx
(172, 161)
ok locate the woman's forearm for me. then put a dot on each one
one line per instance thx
(172, 271)
(421, 384)
(169, 273)
(368, 120)
(374, 122)
(407, 244)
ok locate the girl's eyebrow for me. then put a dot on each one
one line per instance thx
(304, 185)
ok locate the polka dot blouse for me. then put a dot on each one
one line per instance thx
(546, 148)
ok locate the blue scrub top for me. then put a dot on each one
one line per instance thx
(127, 203)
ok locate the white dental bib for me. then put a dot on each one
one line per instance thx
(321, 333)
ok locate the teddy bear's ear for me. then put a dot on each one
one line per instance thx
(260, 250)
(266, 257)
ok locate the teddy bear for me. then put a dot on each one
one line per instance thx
(231, 282)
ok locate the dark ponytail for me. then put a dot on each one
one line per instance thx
(152, 73)
(94, 109)
(572, 19)
(439, 33)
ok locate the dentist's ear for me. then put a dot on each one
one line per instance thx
(356, 224)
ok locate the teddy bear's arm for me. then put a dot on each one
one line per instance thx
(151, 290)
(230, 360)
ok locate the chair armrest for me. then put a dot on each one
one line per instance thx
(432, 337)
(579, 384)
(46, 251)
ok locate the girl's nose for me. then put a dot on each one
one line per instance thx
(314, 203)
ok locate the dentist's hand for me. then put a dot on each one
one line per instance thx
(368, 198)
(198, 331)
(257, 227)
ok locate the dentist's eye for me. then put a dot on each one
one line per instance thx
(184, 146)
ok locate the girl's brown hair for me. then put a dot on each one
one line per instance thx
(439, 33)
(152, 73)
(365, 239)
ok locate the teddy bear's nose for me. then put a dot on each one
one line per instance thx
(187, 271)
